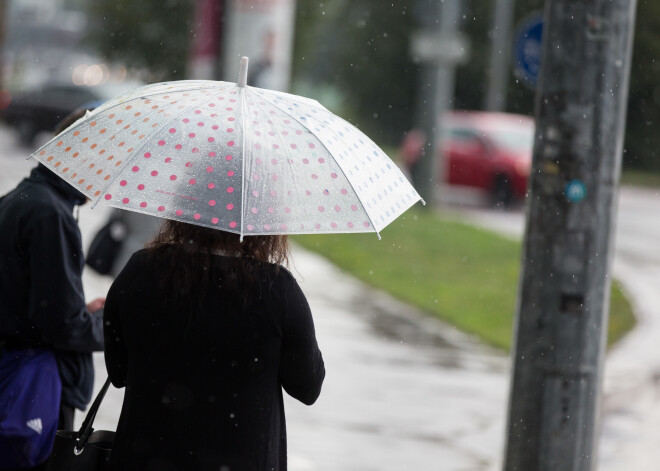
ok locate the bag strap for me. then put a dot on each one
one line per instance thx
(86, 429)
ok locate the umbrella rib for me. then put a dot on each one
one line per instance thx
(241, 90)
(287, 112)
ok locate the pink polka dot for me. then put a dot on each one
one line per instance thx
(200, 124)
(255, 193)
(228, 158)
(172, 130)
(250, 227)
(293, 146)
(308, 192)
(140, 187)
(230, 173)
(172, 177)
(191, 135)
(168, 160)
(287, 210)
(230, 206)
(230, 143)
(161, 143)
(230, 129)
(215, 220)
(123, 183)
(136, 169)
(214, 127)
(209, 169)
(267, 227)
(195, 150)
(196, 216)
(366, 223)
(192, 181)
(283, 227)
(354, 208)
(231, 119)
(321, 160)
(273, 193)
(147, 155)
(154, 173)
(298, 131)
(311, 145)
(326, 192)
(333, 225)
(108, 196)
(179, 212)
(344, 191)
(188, 164)
(212, 203)
(210, 186)
(255, 176)
(212, 154)
(143, 204)
(125, 200)
(233, 224)
(186, 120)
(230, 189)
(198, 111)
(275, 146)
(273, 161)
(275, 178)
(314, 176)
(317, 225)
(333, 175)
(350, 224)
(178, 147)
(321, 209)
(305, 161)
(254, 210)
(161, 208)
(271, 210)
(337, 208)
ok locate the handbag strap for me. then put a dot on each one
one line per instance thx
(86, 429)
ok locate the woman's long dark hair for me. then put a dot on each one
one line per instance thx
(184, 254)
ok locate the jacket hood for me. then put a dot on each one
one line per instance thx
(42, 174)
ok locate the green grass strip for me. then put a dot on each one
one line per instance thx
(466, 276)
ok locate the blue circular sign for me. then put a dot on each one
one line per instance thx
(527, 47)
(575, 191)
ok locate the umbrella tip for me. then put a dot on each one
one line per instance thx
(242, 72)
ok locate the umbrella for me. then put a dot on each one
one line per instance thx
(231, 157)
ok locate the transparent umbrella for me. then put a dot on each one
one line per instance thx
(232, 157)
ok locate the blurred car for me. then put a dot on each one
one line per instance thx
(35, 111)
(489, 151)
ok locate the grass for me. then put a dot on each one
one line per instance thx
(463, 275)
(641, 178)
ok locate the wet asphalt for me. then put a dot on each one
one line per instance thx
(404, 391)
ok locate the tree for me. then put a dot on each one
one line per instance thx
(151, 35)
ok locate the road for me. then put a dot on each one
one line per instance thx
(407, 392)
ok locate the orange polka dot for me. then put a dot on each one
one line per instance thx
(97, 193)
(107, 177)
(127, 126)
(118, 164)
(42, 152)
(67, 149)
(74, 175)
(121, 144)
(99, 172)
(119, 121)
(91, 165)
(137, 114)
(134, 131)
(76, 133)
(75, 155)
(65, 169)
(102, 151)
(50, 158)
(129, 107)
(81, 181)
(60, 143)
(57, 164)
(93, 123)
(89, 187)
(102, 131)
(111, 116)
(145, 120)
(141, 136)
(111, 157)
(130, 150)
(154, 107)
(93, 146)
(86, 139)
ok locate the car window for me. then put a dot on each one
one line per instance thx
(517, 139)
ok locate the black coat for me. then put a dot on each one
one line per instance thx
(41, 295)
(204, 381)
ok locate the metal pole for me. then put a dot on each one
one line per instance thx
(438, 47)
(499, 55)
(564, 288)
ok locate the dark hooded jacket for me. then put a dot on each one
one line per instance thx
(41, 295)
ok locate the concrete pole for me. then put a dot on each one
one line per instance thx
(500, 54)
(565, 282)
(438, 47)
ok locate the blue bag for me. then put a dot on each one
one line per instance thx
(30, 392)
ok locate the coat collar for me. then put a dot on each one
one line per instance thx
(41, 174)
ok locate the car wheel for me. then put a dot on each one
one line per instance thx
(26, 132)
(502, 192)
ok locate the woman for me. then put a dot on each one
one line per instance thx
(204, 332)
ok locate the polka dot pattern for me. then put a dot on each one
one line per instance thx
(212, 154)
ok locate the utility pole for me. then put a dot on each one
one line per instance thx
(499, 55)
(565, 282)
(438, 47)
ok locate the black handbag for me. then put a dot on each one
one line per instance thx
(105, 246)
(86, 449)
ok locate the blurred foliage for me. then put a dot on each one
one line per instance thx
(149, 35)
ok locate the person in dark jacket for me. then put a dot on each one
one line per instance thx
(205, 333)
(42, 303)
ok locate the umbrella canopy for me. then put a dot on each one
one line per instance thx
(231, 157)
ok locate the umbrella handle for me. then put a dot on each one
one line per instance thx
(242, 72)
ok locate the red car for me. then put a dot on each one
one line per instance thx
(489, 151)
